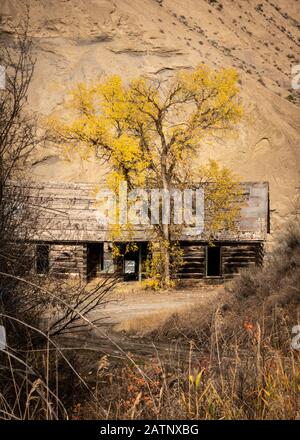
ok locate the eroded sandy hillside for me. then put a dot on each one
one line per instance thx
(77, 40)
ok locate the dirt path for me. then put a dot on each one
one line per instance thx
(130, 316)
(131, 307)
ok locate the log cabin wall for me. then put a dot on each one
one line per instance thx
(194, 256)
(233, 258)
(70, 222)
(67, 259)
(239, 256)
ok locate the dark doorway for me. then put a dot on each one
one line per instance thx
(42, 258)
(94, 260)
(213, 261)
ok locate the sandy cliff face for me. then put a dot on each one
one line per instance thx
(77, 40)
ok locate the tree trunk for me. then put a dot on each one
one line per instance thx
(165, 228)
(165, 257)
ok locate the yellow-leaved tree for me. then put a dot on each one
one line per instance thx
(151, 133)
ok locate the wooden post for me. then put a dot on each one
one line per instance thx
(140, 262)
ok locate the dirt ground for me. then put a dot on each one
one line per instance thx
(132, 309)
(129, 317)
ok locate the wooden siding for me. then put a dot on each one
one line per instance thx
(194, 257)
(68, 259)
(234, 257)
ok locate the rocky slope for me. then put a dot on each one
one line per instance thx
(77, 40)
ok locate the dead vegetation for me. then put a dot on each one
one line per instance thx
(240, 364)
(233, 360)
(33, 313)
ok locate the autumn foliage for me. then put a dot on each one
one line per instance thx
(151, 133)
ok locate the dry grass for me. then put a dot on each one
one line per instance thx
(239, 365)
(149, 323)
(252, 381)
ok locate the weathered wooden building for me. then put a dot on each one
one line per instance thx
(70, 240)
